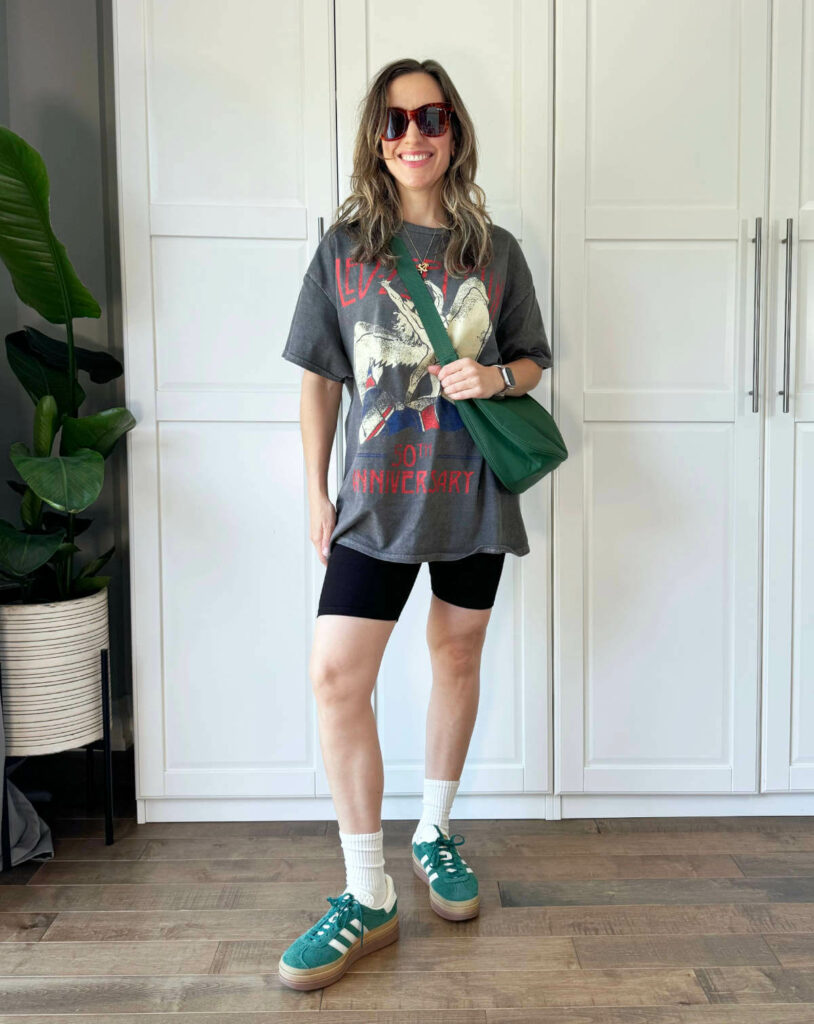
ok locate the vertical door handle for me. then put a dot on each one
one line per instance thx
(787, 318)
(320, 222)
(756, 318)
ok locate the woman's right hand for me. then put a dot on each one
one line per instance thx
(323, 521)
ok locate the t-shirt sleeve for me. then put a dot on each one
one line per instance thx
(520, 331)
(315, 337)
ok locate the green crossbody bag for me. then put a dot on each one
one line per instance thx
(517, 436)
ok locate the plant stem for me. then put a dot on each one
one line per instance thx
(71, 367)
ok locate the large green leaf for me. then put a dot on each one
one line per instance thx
(38, 377)
(99, 432)
(40, 270)
(68, 483)
(99, 365)
(23, 553)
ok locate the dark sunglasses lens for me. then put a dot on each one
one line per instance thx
(396, 124)
(432, 120)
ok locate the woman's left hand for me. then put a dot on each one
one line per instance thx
(466, 378)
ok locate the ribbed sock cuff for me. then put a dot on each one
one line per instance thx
(364, 866)
(437, 804)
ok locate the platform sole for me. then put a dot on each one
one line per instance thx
(451, 910)
(305, 978)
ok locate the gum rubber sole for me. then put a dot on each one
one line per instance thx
(451, 910)
(305, 978)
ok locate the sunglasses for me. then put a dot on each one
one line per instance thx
(432, 120)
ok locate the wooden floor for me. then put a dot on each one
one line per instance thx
(635, 921)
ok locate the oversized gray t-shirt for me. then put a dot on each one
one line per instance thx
(416, 487)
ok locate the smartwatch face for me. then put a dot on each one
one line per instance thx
(508, 373)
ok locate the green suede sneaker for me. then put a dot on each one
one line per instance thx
(350, 929)
(453, 884)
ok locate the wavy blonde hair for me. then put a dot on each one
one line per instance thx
(372, 214)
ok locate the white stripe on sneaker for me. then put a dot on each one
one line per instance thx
(338, 945)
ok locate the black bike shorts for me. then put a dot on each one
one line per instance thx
(376, 588)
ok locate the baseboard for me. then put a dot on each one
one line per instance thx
(547, 807)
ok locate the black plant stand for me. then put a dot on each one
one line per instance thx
(11, 763)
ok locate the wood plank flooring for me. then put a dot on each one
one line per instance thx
(613, 921)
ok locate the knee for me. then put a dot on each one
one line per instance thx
(333, 680)
(459, 655)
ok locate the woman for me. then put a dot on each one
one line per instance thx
(416, 488)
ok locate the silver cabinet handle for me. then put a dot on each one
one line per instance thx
(756, 327)
(320, 221)
(787, 326)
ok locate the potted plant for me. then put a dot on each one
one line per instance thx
(53, 613)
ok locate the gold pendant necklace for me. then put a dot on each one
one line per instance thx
(423, 265)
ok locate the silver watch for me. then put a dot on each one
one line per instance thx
(508, 379)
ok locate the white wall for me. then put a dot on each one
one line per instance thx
(56, 91)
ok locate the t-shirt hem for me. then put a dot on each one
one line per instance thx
(438, 556)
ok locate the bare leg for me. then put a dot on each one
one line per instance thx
(455, 637)
(345, 660)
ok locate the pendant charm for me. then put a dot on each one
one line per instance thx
(423, 267)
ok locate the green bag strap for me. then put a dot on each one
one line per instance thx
(422, 300)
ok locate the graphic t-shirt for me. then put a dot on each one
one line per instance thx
(416, 487)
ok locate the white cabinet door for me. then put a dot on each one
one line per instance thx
(226, 144)
(500, 58)
(788, 623)
(661, 173)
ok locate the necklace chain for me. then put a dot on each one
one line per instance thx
(423, 265)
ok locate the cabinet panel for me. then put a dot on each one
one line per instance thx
(662, 122)
(661, 173)
(659, 506)
(788, 620)
(227, 89)
(226, 138)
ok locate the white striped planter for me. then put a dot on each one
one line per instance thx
(51, 666)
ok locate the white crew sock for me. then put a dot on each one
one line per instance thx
(364, 866)
(438, 797)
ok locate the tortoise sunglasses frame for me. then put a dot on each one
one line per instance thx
(423, 122)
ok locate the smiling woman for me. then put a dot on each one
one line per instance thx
(416, 487)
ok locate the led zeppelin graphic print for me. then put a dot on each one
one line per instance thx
(390, 362)
(415, 486)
